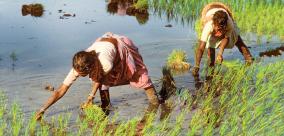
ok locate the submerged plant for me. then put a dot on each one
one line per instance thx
(13, 56)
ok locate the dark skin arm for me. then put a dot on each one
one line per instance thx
(199, 53)
(224, 43)
(198, 56)
(91, 96)
(59, 93)
(51, 100)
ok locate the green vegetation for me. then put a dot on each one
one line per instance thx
(243, 101)
(265, 18)
(178, 60)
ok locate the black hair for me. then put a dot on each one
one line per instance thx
(82, 61)
(220, 19)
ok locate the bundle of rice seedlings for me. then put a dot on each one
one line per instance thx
(177, 60)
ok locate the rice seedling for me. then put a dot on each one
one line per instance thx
(178, 60)
(60, 124)
(3, 126)
(178, 124)
(82, 126)
(3, 107)
(149, 124)
(126, 128)
(44, 130)
(31, 126)
(16, 119)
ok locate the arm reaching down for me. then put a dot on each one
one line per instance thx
(51, 100)
(222, 46)
(92, 94)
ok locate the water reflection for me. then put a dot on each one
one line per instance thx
(35, 10)
(14, 58)
(126, 7)
(119, 7)
(176, 11)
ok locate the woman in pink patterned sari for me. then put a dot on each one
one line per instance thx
(112, 60)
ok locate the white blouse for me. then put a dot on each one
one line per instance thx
(106, 53)
(208, 27)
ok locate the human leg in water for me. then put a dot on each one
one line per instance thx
(211, 57)
(244, 50)
(105, 99)
(152, 107)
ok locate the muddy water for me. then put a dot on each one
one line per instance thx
(36, 51)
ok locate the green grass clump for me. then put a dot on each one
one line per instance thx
(178, 60)
(31, 127)
(3, 109)
(233, 64)
(17, 119)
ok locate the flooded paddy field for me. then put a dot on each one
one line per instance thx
(37, 43)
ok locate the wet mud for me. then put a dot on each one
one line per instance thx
(272, 52)
(35, 10)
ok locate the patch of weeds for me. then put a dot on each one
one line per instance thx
(17, 119)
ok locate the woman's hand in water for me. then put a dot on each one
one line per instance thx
(89, 102)
(219, 59)
(39, 114)
(90, 99)
(195, 71)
